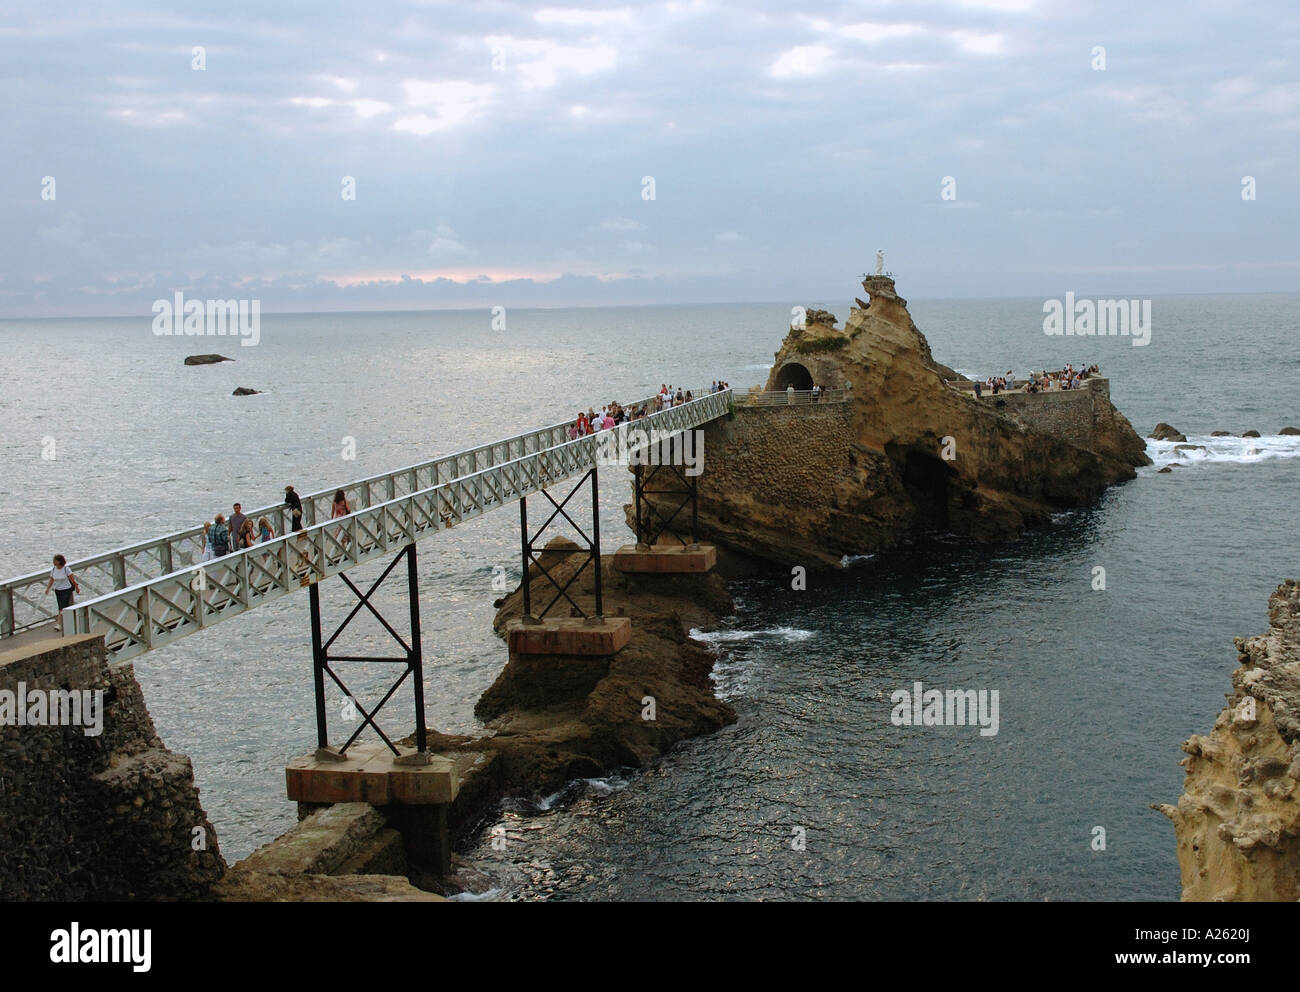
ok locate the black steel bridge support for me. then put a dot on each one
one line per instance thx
(411, 658)
(651, 524)
(529, 550)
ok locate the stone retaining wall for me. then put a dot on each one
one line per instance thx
(107, 817)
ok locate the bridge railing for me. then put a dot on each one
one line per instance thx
(795, 397)
(160, 610)
(23, 604)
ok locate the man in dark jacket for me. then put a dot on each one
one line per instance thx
(294, 504)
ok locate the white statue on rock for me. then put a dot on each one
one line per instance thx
(880, 261)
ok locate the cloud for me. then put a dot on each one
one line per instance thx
(803, 61)
(446, 243)
(570, 16)
(445, 104)
(540, 63)
(873, 33)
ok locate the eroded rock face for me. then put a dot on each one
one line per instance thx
(1238, 820)
(905, 453)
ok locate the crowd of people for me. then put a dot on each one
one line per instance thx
(222, 535)
(1038, 382)
(613, 414)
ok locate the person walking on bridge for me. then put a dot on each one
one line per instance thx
(220, 535)
(63, 582)
(292, 501)
(340, 509)
(237, 526)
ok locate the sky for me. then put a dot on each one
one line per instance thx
(426, 155)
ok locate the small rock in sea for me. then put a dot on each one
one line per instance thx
(206, 359)
(1289, 430)
(1251, 434)
(1164, 432)
(1165, 469)
(245, 391)
(1189, 447)
(1219, 434)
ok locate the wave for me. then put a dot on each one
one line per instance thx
(1230, 450)
(765, 368)
(598, 787)
(485, 896)
(790, 634)
(848, 561)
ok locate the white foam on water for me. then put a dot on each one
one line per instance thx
(850, 560)
(1223, 450)
(491, 893)
(731, 678)
(765, 368)
(791, 634)
(600, 787)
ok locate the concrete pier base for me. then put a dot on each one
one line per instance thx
(415, 790)
(663, 559)
(569, 636)
(370, 773)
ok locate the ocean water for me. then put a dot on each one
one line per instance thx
(1097, 688)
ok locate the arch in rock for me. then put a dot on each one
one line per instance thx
(794, 374)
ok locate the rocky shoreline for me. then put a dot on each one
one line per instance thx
(1237, 822)
(549, 719)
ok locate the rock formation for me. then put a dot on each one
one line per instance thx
(1166, 432)
(556, 718)
(206, 359)
(905, 452)
(1290, 431)
(1247, 434)
(1238, 821)
(245, 391)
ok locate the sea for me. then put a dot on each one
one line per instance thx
(815, 792)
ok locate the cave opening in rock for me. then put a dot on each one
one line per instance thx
(794, 374)
(926, 478)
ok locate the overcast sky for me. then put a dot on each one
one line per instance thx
(500, 151)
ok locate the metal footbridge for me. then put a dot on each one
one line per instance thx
(153, 593)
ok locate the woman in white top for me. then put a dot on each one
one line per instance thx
(63, 582)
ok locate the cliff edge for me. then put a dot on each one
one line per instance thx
(1237, 822)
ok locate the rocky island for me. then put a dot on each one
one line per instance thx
(896, 444)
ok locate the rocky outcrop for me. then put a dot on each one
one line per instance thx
(1166, 432)
(555, 718)
(1291, 431)
(1237, 822)
(1248, 434)
(245, 391)
(105, 816)
(206, 359)
(906, 453)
